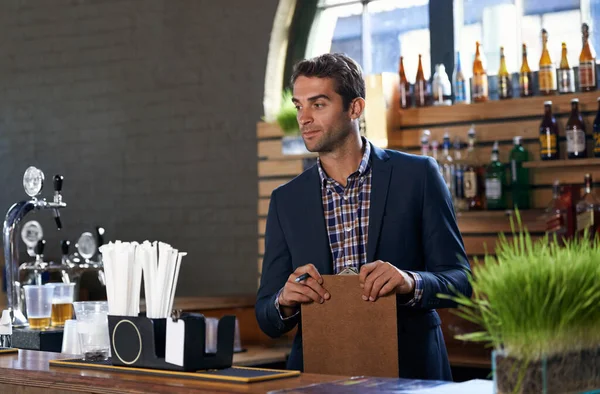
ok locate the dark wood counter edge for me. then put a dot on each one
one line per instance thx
(31, 369)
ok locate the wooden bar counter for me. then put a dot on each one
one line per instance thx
(28, 372)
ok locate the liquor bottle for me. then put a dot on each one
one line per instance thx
(575, 131)
(566, 77)
(588, 209)
(447, 164)
(525, 76)
(549, 149)
(459, 176)
(587, 63)
(547, 73)
(473, 176)
(441, 87)
(519, 175)
(405, 87)
(495, 182)
(434, 152)
(480, 81)
(556, 214)
(425, 143)
(460, 83)
(597, 132)
(504, 79)
(422, 89)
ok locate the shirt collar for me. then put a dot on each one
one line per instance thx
(363, 167)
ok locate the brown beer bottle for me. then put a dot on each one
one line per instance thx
(575, 131)
(525, 76)
(548, 134)
(422, 91)
(480, 82)
(504, 79)
(405, 88)
(587, 63)
(566, 77)
(547, 73)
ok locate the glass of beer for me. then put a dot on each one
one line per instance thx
(62, 303)
(39, 305)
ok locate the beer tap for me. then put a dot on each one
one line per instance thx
(33, 181)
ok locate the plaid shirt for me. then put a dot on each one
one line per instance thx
(346, 212)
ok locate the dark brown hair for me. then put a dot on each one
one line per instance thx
(345, 72)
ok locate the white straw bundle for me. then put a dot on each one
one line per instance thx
(124, 263)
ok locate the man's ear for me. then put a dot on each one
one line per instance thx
(357, 106)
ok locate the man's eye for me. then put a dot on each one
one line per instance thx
(319, 105)
(297, 108)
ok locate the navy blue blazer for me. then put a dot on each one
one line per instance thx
(412, 225)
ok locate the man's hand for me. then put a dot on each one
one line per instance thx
(306, 291)
(380, 278)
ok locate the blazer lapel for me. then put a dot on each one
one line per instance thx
(316, 231)
(380, 181)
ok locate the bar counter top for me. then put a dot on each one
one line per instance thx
(28, 372)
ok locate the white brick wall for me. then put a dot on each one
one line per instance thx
(156, 101)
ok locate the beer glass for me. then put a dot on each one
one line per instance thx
(62, 303)
(39, 305)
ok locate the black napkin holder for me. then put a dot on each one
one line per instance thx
(140, 342)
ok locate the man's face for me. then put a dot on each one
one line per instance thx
(323, 122)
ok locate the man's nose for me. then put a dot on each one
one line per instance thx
(304, 118)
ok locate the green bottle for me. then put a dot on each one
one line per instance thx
(519, 175)
(495, 182)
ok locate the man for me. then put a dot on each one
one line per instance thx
(387, 214)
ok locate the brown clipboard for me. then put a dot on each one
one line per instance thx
(349, 336)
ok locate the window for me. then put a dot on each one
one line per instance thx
(374, 33)
(510, 23)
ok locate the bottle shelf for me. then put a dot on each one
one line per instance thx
(562, 163)
(494, 110)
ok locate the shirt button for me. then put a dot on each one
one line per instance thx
(348, 229)
(349, 262)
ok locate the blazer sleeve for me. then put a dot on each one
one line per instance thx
(446, 261)
(276, 268)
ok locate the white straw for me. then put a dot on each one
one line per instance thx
(168, 280)
(175, 279)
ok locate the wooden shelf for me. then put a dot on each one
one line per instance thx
(491, 110)
(562, 163)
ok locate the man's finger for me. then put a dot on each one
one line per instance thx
(313, 284)
(377, 285)
(369, 282)
(365, 270)
(306, 290)
(309, 269)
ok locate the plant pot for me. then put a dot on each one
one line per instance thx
(573, 372)
(293, 145)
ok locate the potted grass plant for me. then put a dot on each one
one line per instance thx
(538, 306)
(292, 142)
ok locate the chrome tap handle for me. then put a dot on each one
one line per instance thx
(58, 183)
(99, 236)
(64, 247)
(39, 248)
